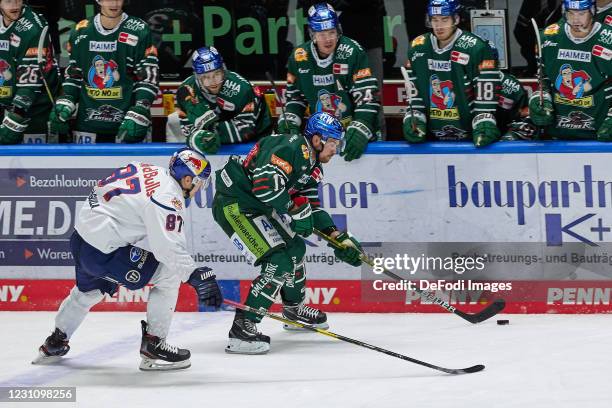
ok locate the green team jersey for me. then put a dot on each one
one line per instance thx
(341, 84)
(452, 85)
(109, 71)
(604, 15)
(512, 100)
(277, 169)
(21, 85)
(238, 113)
(577, 74)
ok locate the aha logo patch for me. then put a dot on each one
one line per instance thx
(300, 55)
(282, 164)
(132, 276)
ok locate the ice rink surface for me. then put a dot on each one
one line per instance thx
(537, 361)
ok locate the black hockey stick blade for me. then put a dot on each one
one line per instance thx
(491, 310)
(469, 370)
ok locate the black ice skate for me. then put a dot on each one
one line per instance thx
(157, 355)
(56, 346)
(244, 337)
(299, 312)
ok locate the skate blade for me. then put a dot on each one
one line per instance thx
(236, 346)
(148, 364)
(42, 359)
(290, 327)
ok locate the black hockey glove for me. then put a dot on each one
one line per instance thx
(205, 284)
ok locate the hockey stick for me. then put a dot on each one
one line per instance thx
(276, 95)
(468, 370)
(491, 310)
(40, 60)
(408, 85)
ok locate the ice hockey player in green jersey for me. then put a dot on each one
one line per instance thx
(512, 111)
(218, 106)
(27, 61)
(604, 12)
(112, 77)
(267, 203)
(576, 102)
(455, 82)
(331, 73)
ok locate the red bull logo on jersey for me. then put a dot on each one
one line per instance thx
(572, 86)
(102, 75)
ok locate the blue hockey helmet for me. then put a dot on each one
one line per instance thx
(188, 162)
(579, 5)
(206, 59)
(442, 8)
(325, 125)
(322, 17)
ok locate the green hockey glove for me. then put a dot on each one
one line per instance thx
(204, 141)
(60, 114)
(485, 130)
(135, 125)
(289, 123)
(541, 115)
(604, 134)
(12, 128)
(351, 254)
(301, 217)
(415, 126)
(357, 138)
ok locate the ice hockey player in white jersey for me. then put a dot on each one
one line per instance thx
(136, 202)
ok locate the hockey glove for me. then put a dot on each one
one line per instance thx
(541, 115)
(604, 134)
(289, 123)
(351, 254)
(301, 217)
(135, 125)
(205, 284)
(357, 137)
(204, 141)
(485, 130)
(415, 127)
(60, 114)
(13, 126)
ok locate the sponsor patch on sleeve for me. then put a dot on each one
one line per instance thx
(282, 164)
(487, 64)
(420, 40)
(82, 24)
(552, 29)
(300, 55)
(362, 73)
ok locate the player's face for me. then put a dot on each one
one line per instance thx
(580, 21)
(190, 189)
(11, 9)
(326, 41)
(212, 81)
(443, 27)
(328, 149)
(111, 8)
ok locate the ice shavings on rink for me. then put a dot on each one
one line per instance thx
(536, 361)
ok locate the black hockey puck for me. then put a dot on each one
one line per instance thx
(503, 322)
